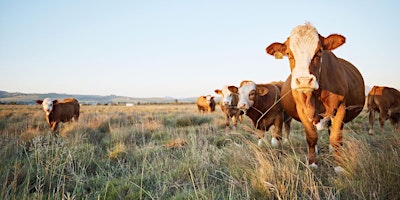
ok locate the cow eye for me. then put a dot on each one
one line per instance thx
(252, 94)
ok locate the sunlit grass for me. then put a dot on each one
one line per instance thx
(174, 152)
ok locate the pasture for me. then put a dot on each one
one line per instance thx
(174, 152)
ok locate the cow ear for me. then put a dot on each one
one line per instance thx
(39, 102)
(54, 102)
(276, 49)
(262, 91)
(233, 89)
(332, 42)
(218, 91)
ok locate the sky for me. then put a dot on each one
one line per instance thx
(181, 48)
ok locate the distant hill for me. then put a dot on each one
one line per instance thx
(30, 98)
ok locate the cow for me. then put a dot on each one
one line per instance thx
(60, 111)
(206, 103)
(261, 103)
(322, 87)
(228, 104)
(385, 101)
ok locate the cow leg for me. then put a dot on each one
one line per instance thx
(394, 120)
(371, 121)
(336, 136)
(260, 134)
(54, 126)
(306, 119)
(287, 125)
(383, 116)
(227, 122)
(234, 121)
(311, 137)
(76, 117)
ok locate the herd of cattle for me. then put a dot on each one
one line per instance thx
(321, 91)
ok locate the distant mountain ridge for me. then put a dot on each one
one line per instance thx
(30, 98)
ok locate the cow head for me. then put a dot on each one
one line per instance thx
(248, 91)
(47, 104)
(209, 98)
(304, 49)
(228, 93)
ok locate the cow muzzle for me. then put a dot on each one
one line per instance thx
(305, 83)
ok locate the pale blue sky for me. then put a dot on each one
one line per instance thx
(180, 48)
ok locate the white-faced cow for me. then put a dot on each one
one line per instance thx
(206, 103)
(60, 111)
(323, 87)
(385, 101)
(261, 103)
(228, 104)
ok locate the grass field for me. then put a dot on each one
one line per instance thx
(174, 152)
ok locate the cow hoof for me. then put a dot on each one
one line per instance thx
(274, 142)
(285, 141)
(371, 131)
(259, 142)
(313, 166)
(331, 149)
(339, 170)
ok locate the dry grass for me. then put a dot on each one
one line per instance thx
(173, 152)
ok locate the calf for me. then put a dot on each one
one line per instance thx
(60, 111)
(261, 104)
(228, 103)
(385, 101)
(206, 103)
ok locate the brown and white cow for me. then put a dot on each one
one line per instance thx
(385, 101)
(261, 103)
(206, 103)
(322, 87)
(228, 104)
(60, 111)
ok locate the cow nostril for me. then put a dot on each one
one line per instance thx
(297, 81)
(310, 81)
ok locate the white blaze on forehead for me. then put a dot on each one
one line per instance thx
(226, 96)
(47, 105)
(244, 92)
(303, 43)
(208, 97)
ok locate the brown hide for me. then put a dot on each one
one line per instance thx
(63, 111)
(269, 106)
(204, 106)
(385, 101)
